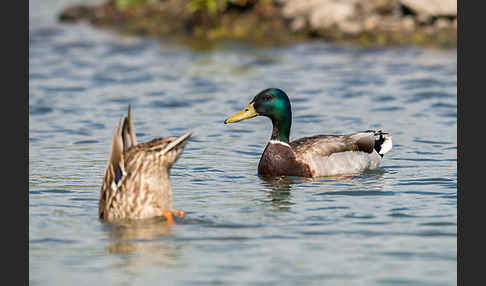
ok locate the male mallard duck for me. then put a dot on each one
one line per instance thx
(320, 155)
(136, 183)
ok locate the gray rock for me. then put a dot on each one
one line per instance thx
(408, 24)
(352, 17)
(323, 14)
(432, 7)
(333, 13)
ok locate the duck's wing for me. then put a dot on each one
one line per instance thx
(327, 154)
(114, 171)
(325, 145)
(128, 132)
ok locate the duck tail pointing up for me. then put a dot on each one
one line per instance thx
(179, 142)
(128, 132)
(171, 151)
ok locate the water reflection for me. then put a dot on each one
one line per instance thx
(150, 237)
(369, 183)
(278, 191)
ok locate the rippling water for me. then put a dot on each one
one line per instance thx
(392, 226)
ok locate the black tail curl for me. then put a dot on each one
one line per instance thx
(378, 141)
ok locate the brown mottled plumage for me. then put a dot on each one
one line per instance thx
(136, 183)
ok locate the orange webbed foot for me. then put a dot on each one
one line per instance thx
(179, 213)
(168, 215)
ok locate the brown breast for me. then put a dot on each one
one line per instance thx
(279, 160)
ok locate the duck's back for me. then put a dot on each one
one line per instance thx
(329, 155)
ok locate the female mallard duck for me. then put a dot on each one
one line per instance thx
(320, 155)
(136, 183)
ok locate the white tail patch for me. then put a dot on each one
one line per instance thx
(386, 145)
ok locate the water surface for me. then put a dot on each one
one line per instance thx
(392, 226)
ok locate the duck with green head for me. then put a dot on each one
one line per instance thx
(315, 156)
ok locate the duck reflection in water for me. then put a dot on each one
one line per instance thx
(279, 188)
(151, 238)
(279, 191)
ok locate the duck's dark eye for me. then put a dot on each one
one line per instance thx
(267, 97)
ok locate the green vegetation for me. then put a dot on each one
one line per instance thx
(212, 7)
(124, 4)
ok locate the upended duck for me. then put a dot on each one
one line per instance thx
(136, 183)
(315, 156)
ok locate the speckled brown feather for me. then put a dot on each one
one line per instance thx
(144, 189)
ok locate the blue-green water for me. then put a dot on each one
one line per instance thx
(392, 226)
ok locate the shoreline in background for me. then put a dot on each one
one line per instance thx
(274, 22)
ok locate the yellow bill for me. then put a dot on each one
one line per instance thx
(246, 113)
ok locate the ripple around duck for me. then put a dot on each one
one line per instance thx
(168, 104)
(93, 125)
(359, 216)
(401, 215)
(71, 47)
(424, 160)
(52, 191)
(444, 105)
(85, 142)
(310, 118)
(385, 98)
(426, 193)
(419, 140)
(39, 110)
(388, 108)
(357, 193)
(81, 131)
(428, 153)
(252, 154)
(353, 94)
(421, 83)
(53, 241)
(418, 255)
(329, 208)
(84, 199)
(429, 181)
(361, 82)
(235, 130)
(426, 95)
(306, 92)
(438, 223)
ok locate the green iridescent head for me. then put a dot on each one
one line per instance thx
(274, 104)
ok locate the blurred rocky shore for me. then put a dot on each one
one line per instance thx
(367, 23)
